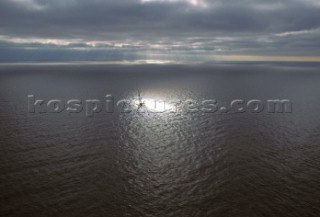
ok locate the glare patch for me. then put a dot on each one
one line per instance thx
(156, 61)
(196, 3)
(91, 44)
(148, 105)
(302, 32)
(59, 42)
(252, 58)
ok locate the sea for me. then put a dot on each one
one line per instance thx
(81, 139)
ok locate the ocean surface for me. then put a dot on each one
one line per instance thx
(160, 164)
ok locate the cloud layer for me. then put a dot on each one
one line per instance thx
(59, 30)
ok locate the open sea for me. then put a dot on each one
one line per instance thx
(154, 162)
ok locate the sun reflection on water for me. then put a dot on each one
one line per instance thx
(155, 105)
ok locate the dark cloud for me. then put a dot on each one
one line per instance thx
(82, 27)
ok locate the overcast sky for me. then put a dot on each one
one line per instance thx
(173, 30)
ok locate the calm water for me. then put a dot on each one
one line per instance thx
(165, 164)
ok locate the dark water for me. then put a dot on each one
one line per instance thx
(165, 164)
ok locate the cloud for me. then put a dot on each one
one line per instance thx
(262, 27)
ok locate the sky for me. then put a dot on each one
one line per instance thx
(159, 30)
